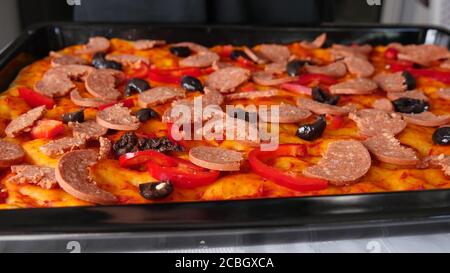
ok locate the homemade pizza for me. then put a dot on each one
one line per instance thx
(114, 121)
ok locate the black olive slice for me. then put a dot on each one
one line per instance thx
(145, 114)
(442, 136)
(77, 116)
(312, 131)
(180, 51)
(235, 54)
(156, 190)
(323, 97)
(293, 67)
(191, 84)
(409, 80)
(410, 106)
(99, 62)
(136, 85)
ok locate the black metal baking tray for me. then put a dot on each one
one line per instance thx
(421, 211)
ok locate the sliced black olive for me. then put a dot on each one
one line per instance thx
(136, 85)
(293, 67)
(409, 80)
(410, 106)
(442, 136)
(191, 84)
(77, 116)
(156, 190)
(321, 96)
(235, 54)
(180, 51)
(99, 62)
(312, 131)
(145, 114)
(160, 144)
(126, 144)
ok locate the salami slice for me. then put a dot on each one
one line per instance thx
(336, 69)
(73, 177)
(360, 86)
(118, 117)
(323, 108)
(445, 64)
(391, 82)
(227, 79)
(127, 59)
(383, 104)
(275, 53)
(201, 59)
(67, 60)
(343, 51)
(441, 160)
(88, 130)
(147, 44)
(444, 93)
(76, 98)
(192, 46)
(422, 54)
(24, 122)
(318, 42)
(344, 161)
(275, 68)
(427, 119)
(215, 158)
(11, 153)
(359, 67)
(159, 95)
(268, 79)
(251, 95)
(372, 122)
(57, 81)
(103, 83)
(42, 176)
(255, 56)
(59, 146)
(413, 94)
(287, 114)
(387, 148)
(95, 44)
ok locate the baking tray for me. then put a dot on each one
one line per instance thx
(279, 219)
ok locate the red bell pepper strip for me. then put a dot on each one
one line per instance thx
(442, 76)
(257, 157)
(34, 99)
(306, 79)
(400, 65)
(297, 88)
(337, 122)
(225, 51)
(140, 72)
(126, 102)
(173, 75)
(47, 128)
(391, 53)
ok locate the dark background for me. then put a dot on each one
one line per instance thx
(256, 12)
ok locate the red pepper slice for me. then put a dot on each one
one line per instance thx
(400, 65)
(391, 53)
(140, 72)
(126, 102)
(297, 88)
(337, 122)
(257, 157)
(225, 51)
(442, 76)
(47, 128)
(306, 79)
(34, 99)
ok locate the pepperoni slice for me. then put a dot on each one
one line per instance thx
(88, 130)
(275, 68)
(118, 117)
(318, 42)
(337, 69)
(373, 122)
(59, 60)
(192, 46)
(383, 104)
(391, 82)
(11, 153)
(427, 119)
(24, 122)
(422, 54)
(37, 175)
(444, 93)
(227, 79)
(268, 79)
(59, 146)
(344, 161)
(102, 83)
(253, 94)
(254, 56)
(359, 67)
(73, 177)
(275, 53)
(343, 51)
(76, 98)
(95, 44)
(413, 94)
(438, 161)
(215, 158)
(287, 114)
(147, 44)
(387, 148)
(360, 86)
(127, 59)
(323, 108)
(159, 95)
(201, 59)
(57, 81)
